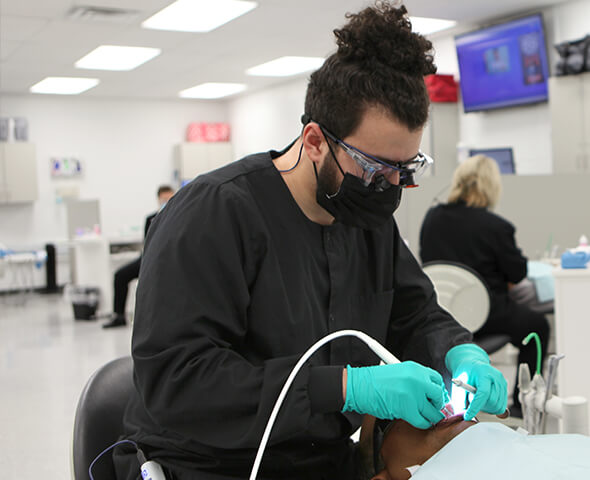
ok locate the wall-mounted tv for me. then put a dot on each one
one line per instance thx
(503, 65)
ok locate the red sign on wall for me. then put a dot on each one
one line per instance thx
(202, 132)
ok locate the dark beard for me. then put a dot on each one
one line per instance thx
(328, 175)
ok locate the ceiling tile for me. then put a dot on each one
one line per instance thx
(19, 29)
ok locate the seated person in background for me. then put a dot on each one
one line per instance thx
(130, 271)
(455, 448)
(465, 230)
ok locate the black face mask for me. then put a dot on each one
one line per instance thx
(360, 206)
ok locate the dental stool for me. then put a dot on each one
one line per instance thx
(99, 417)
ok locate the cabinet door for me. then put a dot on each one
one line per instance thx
(193, 159)
(3, 181)
(566, 106)
(18, 177)
(220, 154)
(585, 159)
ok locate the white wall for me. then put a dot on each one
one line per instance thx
(269, 119)
(526, 129)
(571, 21)
(126, 147)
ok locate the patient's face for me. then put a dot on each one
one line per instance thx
(405, 445)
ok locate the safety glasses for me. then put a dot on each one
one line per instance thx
(372, 166)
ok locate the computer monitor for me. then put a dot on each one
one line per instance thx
(503, 156)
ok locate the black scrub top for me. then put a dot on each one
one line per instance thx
(477, 238)
(235, 284)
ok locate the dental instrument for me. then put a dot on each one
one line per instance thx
(385, 355)
(471, 389)
(538, 402)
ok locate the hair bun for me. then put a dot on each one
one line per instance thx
(383, 35)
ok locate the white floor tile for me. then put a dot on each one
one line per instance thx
(46, 357)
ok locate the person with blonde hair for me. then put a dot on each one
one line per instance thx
(477, 182)
(465, 230)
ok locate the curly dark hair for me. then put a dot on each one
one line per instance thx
(379, 62)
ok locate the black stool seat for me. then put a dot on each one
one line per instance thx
(99, 417)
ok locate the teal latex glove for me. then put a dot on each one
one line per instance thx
(404, 390)
(492, 391)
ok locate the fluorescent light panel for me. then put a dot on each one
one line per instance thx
(212, 90)
(286, 66)
(64, 85)
(113, 57)
(198, 15)
(425, 25)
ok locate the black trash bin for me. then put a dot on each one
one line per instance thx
(85, 302)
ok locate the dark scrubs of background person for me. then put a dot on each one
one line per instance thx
(249, 265)
(130, 271)
(466, 231)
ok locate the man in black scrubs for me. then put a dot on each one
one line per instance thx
(251, 264)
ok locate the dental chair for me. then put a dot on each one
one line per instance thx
(99, 417)
(464, 294)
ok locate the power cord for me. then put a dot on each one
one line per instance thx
(150, 470)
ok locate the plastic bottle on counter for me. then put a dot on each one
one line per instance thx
(582, 245)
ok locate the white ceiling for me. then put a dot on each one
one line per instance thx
(37, 40)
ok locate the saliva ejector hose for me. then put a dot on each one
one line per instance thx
(373, 344)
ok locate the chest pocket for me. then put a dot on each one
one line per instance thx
(369, 314)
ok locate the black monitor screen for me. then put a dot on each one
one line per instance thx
(503, 157)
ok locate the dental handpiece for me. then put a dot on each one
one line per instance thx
(472, 389)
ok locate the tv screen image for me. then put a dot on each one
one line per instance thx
(503, 157)
(503, 65)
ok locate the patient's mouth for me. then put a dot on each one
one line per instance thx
(445, 422)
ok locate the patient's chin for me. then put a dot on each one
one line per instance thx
(456, 423)
(381, 476)
(399, 475)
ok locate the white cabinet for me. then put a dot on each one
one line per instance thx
(569, 106)
(193, 159)
(18, 173)
(572, 328)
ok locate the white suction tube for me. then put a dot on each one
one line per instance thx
(373, 344)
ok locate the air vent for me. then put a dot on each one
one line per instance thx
(102, 14)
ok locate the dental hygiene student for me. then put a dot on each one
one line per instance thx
(249, 265)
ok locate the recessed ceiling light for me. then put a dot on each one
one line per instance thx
(198, 15)
(113, 57)
(64, 85)
(286, 66)
(212, 90)
(425, 25)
